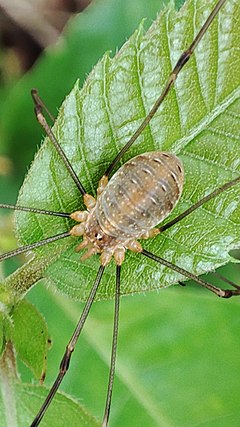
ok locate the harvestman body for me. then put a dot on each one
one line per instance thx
(137, 198)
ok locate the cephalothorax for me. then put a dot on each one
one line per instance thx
(137, 198)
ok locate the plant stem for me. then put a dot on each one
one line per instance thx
(8, 376)
(18, 283)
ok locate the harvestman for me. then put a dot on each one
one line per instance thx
(110, 227)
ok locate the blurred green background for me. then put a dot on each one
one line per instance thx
(178, 359)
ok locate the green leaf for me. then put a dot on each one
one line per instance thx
(198, 121)
(1, 333)
(102, 26)
(28, 400)
(177, 362)
(30, 337)
(62, 411)
(19, 402)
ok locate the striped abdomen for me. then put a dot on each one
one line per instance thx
(140, 195)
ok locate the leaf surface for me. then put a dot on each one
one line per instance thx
(198, 121)
(28, 399)
(30, 337)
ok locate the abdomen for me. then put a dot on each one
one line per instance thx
(140, 195)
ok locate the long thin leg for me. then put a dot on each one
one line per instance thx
(173, 76)
(38, 101)
(114, 349)
(34, 210)
(223, 293)
(27, 248)
(225, 279)
(64, 365)
(39, 106)
(219, 276)
(200, 203)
